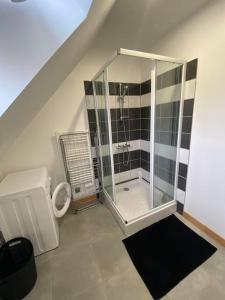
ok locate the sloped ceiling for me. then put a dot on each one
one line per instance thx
(133, 24)
(139, 24)
(38, 91)
(30, 33)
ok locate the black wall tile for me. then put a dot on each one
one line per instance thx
(167, 164)
(165, 175)
(169, 124)
(123, 157)
(125, 114)
(169, 78)
(134, 164)
(180, 207)
(145, 135)
(114, 137)
(92, 127)
(135, 135)
(116, 168)
(145, 112)
(134, 113)
(145, 155)
(191, 72)
(91, 115)
(145, 165)
(183, 170)
(158, 110)
(122, 136)
(145, 124)
(124, 168)
(123, 124)
(181, 183)
(114, 126)
(92, 135)
(185, 140)
(116, 158)
(186, 125)
(188, 107)
(88, 88)
(134, 155)
(168, 138)
(113, 113)
(135, 124)
(146, 87)
(170, 109)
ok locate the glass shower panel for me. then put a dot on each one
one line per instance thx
(167, 107)
(104, 139)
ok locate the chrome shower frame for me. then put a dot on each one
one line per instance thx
(155, 214)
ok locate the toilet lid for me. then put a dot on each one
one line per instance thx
(61, 212)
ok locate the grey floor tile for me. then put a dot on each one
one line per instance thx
(111, 256)
(127, 286)
(43, 287)
(215, 266)
(92, 263)
(74, 272)
(195, 286)
(95, 293)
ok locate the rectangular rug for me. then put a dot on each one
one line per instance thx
(165, 253)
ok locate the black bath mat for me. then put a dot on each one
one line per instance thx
(165, 253)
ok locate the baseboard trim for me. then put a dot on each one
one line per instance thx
(205, 229)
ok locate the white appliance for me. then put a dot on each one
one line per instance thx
(26, 208)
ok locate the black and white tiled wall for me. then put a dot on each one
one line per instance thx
(138, 112)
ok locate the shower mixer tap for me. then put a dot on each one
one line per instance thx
(123, 147)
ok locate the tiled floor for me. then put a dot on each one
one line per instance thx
(92, 263)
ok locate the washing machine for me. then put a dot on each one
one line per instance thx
(28, 210)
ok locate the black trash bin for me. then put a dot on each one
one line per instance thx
(17, 269)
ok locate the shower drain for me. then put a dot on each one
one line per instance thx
(126, 189)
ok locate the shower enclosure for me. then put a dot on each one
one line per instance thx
(138, 102)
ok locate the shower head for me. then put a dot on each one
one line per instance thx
(125, 89)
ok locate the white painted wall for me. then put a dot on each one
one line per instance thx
(125, 69)
(64, 111)
(50, 77)
(30, 33)
(203, 37)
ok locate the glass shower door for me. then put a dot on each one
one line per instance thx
(168, 86)
(102, 117)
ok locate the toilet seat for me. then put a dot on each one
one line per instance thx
(61, 212)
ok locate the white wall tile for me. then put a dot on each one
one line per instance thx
(166, 151)
(180, 196)
(113, 101)
(134, 173)
(117, 178)
(134, 101)
(164, 186)
(124, 176)
(145, 174)
(189, 91)
(93, 152)
(145, 145)
(184, 156)
(168, 94)
(89, 101)
(146, 100)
